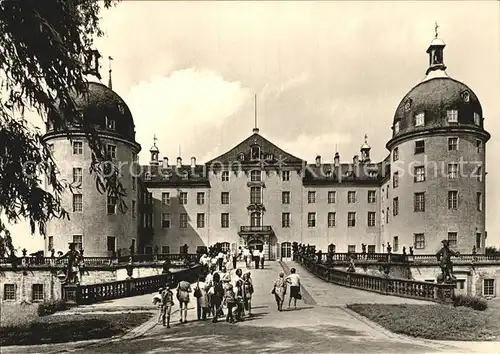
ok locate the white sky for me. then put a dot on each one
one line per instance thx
(325, 73)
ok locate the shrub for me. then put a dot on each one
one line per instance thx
(48, 308)
(473, 302)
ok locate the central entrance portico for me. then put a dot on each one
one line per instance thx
(259, 237)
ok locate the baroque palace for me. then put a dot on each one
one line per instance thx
(430, 187)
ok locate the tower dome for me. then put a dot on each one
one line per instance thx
(106, 110)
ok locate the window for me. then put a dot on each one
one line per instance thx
(387, 192)
(77, 175)
(351, 197)
(225, 176)
(165, 249)
(255, 153)
(224, 220)
(395, 154)
(255, 195)
(396, 127)
(311, 197)
(147, 220)
(351, 249)
(78, 241)
(477, 119)
(478, 240)
(165, 198)
(183, 220)
(111, 149)
(395, 180)
(452, 200)
(134, 183)
(452, 115)
(351, 219)
(111, 204)
(77, 203)
(371, 219)
(183, 198)
(200, 198)
(419, 147)
(149, 198)
(419, 241)
(453, 144)
(225, 247)
(395, 206)
(9, 291)
(224, 197)
(256, 176)
(110, 123)
(50, 243)
(37, 292)
(285, 176)
(387, 216)
(479, 201)
(77, 147)
(382, 217)
(372, 197)
(332, 196)
(371, 248)
(479, 146)
(419, 202)
(111, 243)
(420, 119)
(488, 287)
(479, 173)
(255, 219)
(285, 197)
(395, 243)
(331, 219)
(311, 220)
(285, 219)
(148, 250)
(452, 171)
(452, 238)
(165, 220)
(134, 209)
(460, 284)
(419, 174)
(200, 220)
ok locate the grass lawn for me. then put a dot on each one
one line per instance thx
(70, 328)
(436, 321)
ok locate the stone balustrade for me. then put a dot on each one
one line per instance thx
(384, 285)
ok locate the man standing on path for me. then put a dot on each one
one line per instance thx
(256, 257)
(294, 280)
(167, 301)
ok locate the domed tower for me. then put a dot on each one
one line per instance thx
(438, 163)
(96, 224)
(365, 151)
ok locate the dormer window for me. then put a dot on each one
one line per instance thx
(255, 152)
(147, 176)
(110, 123)
(408, 105)
(477, 118)
(420, 119)
(185, 175)
(121, 108)
(241, 156)
(466, 96)
(270, 157)
(396, 127)
(452, 115)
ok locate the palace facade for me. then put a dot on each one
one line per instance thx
(430, 187)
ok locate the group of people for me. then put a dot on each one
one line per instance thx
(218, 292)
(224, 259)
(280, 287)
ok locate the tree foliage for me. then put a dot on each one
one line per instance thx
(492, 251)
(46, 47)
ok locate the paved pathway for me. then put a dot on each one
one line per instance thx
(321, 324)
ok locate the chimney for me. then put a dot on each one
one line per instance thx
(193, 161)
(318, 161)
(355, 160)
(179, 162)
(336, 160)
(165, 162)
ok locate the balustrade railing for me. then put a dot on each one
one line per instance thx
(344, 258)
(93, 293)
(255, 228)
(30, 261)
(384, 285)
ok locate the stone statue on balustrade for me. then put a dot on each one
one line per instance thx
(389, 248)
(72, 269)
(404, 251)
(351, 268)
(52, 253)
(474, 250)
(319, 256)
(363, 248)
(411, 251)
(444, 258)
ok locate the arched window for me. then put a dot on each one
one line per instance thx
(225, 247)
(255, 219)
(255, 152)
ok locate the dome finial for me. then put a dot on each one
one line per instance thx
(436, 26)
(366, 138)
(110, 83)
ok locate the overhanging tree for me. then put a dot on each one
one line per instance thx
(46, 49)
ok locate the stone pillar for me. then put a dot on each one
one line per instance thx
(445, 292)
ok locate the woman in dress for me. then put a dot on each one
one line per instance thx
(247, 293)
(279, 290)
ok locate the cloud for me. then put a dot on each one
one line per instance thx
(181, 106)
